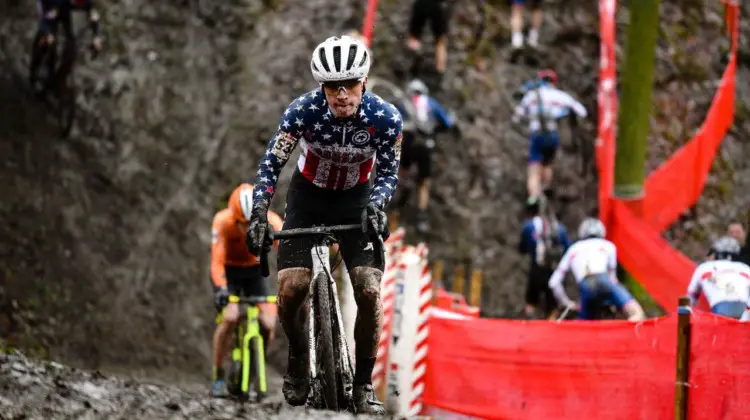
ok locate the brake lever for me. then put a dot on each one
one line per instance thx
(265, 271)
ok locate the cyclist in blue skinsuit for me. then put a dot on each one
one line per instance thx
(342, 130)
(51, 14)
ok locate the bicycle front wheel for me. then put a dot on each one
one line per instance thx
(327, 376)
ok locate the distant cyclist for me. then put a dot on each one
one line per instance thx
(437, 12)
(723, 279)
(52, 13)
(543, 104)
(545, 240)
(235, 271)
(427, 116)
(593, 261)
(342, 130)
(516, 24)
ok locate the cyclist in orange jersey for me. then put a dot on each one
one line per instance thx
(235, 271)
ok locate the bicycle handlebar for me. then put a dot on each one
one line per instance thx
(252, 300)
(379, 247)
(313, 231)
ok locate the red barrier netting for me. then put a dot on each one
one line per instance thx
(719, 369)
(676, 185)
(503, 369)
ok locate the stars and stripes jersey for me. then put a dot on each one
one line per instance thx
(721, 281)
(337, 153)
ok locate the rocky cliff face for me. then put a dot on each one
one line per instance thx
(105, 235)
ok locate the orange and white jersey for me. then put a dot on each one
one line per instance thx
(584, 258)
(721, 281)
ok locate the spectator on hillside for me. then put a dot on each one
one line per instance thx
(436, 11)
(545, 240)
(736, 231)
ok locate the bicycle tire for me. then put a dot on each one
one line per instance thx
(256, 364)
(234, 383)
(327, 376)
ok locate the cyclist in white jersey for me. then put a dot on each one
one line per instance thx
(593, 261)
(724, 281)
(543, 105)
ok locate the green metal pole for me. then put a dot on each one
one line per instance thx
(634, 110)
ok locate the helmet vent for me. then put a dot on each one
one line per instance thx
(352, 55)
(323, 60)
(337, 57)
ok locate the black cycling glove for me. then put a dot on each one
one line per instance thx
(375, 217)
(257, 234)
(221, 298)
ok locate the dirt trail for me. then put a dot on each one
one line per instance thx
(31, 390)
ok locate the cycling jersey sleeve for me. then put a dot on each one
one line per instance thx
(218, 254)
(562, 237)
(388, 157)
(694, 289)
(526, 244)
(576, 106)
(522, 106)
(440, 113)
(278, 153)
(612, 263)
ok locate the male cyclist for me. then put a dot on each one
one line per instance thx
(235, 271)
(516, 23)
(343, 131)
(543, 105)
(593, 261)
(52, 13)
(723, 279)
(545, 240)
(419, 131)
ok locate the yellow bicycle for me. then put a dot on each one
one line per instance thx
(248, 358)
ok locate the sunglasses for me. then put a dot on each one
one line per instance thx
(348, 84)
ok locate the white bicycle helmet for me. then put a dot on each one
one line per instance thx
(591, 228)
(725, 248)
(340, 58)
(417, 86)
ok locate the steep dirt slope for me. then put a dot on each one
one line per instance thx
(104, 245)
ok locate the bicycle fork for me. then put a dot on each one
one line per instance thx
(253, 331)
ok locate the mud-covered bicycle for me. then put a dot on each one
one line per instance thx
(330, 369)
(247, 375)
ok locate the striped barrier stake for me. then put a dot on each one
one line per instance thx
(387, 292)
(419, 364)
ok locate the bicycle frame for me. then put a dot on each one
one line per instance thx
(322, 270)
(321, 264)
(244, 334)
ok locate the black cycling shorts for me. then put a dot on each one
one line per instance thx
(308, 205)
(538, 292)
(246, 281)
(436, 11)
(532, 3)
(411, 152)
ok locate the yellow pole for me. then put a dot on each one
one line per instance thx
(437, 279)
(475, 293)
(459, 278)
